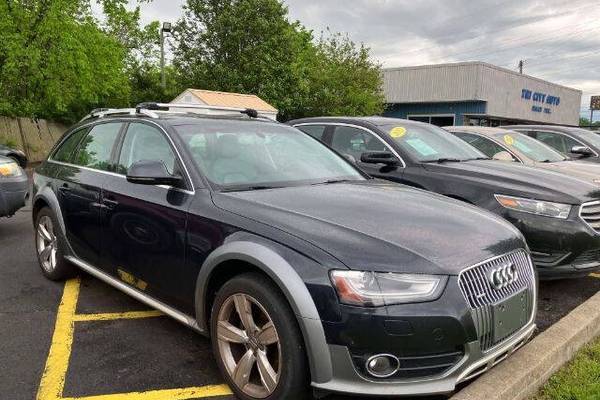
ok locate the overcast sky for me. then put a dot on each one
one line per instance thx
(559, 40)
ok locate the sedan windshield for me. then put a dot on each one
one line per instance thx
(428, 143)
(529, 147)
(252, 155)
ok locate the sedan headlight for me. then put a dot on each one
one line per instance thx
(10, 169)
(373, 289)
(539, 207)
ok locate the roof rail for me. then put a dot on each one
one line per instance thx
(252, 113)
(103, 112)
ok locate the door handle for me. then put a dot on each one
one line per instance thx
(110, 203)
(64, 188)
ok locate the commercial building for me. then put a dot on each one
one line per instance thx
(225, 99)
(477, 93)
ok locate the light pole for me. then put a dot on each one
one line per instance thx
(166, 28)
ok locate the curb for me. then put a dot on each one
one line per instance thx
(521, 375)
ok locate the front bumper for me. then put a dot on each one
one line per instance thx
(560, 248)
(346, 379)
(13, 194)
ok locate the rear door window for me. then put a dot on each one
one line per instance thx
(486, 146)
(96, 148)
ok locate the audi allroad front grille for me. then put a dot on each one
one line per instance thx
(590, 213)
(488, 286)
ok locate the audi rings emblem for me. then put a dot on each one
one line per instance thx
(502, 276)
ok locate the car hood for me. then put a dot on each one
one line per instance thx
(582, 170)
(521, 180)
(380, 226)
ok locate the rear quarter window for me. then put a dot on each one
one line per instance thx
(65, 151)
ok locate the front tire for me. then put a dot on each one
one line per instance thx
(257, 342)
(49, 246)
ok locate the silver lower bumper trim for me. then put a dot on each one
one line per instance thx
(347, 380)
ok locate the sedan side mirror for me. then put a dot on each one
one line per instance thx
(503, 156)
(147, 172)
(583, 151)
(379, 157)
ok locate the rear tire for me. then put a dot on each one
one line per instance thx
(268, 360)
(50, 245)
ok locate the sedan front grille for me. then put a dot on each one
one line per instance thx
(479, 292)
(590, 213)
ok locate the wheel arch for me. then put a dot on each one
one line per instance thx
(47, 198)
(246, 256)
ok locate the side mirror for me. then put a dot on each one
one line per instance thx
(379, 157)
(582, 151)
(151, 173)
(503, 156)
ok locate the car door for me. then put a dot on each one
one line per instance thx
(145, 225)
(79, 184)
(354, 141)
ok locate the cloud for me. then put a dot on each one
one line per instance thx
(559, 41)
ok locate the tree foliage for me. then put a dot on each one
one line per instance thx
(55, 61)
(250, 46)
(58, 59)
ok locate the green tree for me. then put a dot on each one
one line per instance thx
(55, 62)
(246, 46)
(250, 46)
(342, 79)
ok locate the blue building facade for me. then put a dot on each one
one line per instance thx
(437, 111)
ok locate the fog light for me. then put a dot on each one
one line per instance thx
(382, 365)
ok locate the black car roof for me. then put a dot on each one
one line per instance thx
(372, 120)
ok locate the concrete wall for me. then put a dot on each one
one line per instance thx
(34, 137)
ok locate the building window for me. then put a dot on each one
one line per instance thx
(437, 120)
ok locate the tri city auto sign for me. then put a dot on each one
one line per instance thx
(542, 102)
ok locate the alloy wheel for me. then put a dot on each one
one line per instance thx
(46, 243)
(249, 345)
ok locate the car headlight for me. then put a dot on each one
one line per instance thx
(10, 169)
(539, 207)
(373, 289)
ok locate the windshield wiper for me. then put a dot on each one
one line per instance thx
(443, 160)
(478, 158)
(330, 181)
(249, 188)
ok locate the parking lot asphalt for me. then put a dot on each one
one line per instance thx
(85, 340)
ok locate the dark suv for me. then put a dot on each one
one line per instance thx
(299, 267)
(559, 215)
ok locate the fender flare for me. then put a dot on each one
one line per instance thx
(293, 288)
(47, 195)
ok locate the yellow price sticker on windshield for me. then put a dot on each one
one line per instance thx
(398, 132)
(509, 140)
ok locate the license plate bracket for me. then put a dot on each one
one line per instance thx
(509, 315)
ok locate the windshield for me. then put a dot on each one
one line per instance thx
(589, 136)
(243, 155)
(531, 148)
(428, 143)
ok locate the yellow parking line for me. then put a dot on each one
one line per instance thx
(55, 372)
(53, 379)
(595, 275)
(121, 315)
(165, 394)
